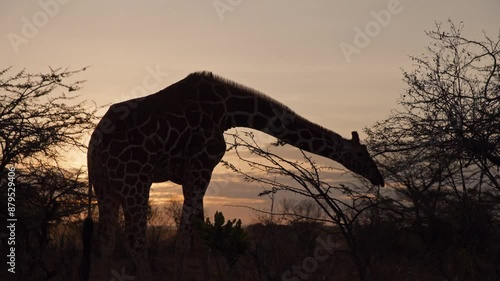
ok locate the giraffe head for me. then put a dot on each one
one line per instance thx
(358, 160)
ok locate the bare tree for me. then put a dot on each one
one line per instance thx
(37, 119)
(441, 150)
(38, 123)
(448, 132)
(46, 195)
(296, 211)
(451, 110)
(173, 212)
(340, 205)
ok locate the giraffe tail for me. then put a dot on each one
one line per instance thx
(88, 228)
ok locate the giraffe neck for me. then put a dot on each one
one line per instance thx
(245, 107)
(284, 124)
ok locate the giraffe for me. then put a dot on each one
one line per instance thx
(176, 135)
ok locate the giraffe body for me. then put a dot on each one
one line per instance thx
(177, 135)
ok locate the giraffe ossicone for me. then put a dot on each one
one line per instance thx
(176, 135)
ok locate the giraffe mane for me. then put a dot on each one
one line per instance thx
(238, 86)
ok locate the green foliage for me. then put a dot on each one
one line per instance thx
(228, 239)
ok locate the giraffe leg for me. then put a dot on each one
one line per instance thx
(198, 167)
(188, 232)
(183, 242)
(199, 243)
(108, 219)
(135, 209)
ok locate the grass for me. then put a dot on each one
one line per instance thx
(274, 251)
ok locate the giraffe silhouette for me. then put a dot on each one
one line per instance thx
(177, 135)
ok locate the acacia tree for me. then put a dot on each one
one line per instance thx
(448, 132)
(36, 117)
(38, 123)
(46, 196)
(441, 150)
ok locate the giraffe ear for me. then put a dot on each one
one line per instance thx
(355, 137)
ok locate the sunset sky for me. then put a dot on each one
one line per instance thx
(337, 63)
